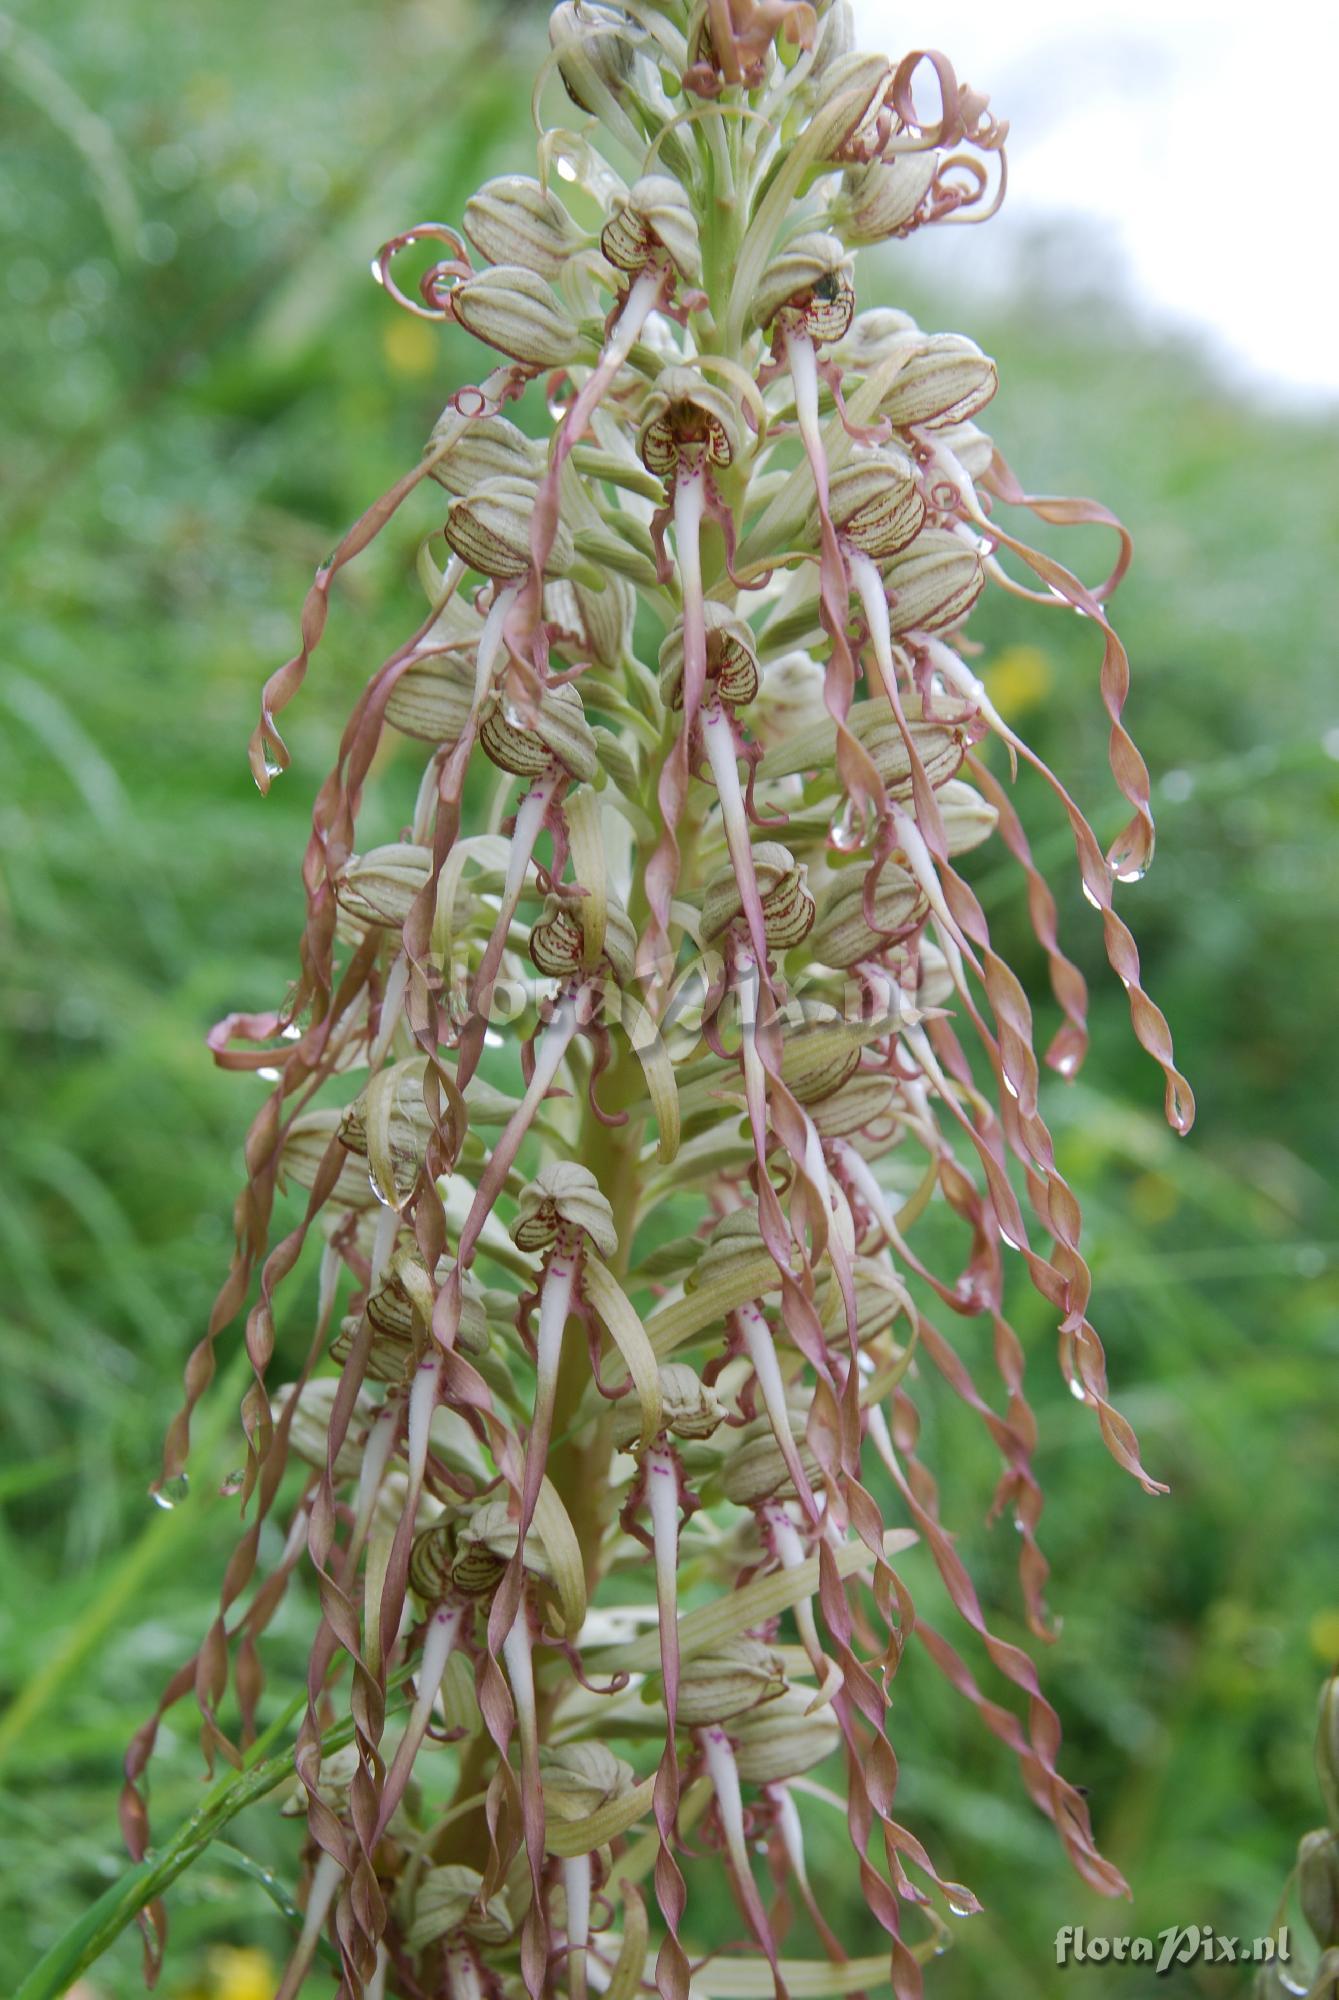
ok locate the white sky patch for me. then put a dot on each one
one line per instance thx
(1188, 142)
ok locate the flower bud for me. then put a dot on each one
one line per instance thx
(756, 1470)
(933, 584)
(513, 310)
(862, 1101)
(485, 448)
(842, 935)
(732, 663)
(489, 528)
(787, 906)
(594, 49)
(304, 1148)
(946, 380)
(782, 1740)
(433, 699)
(486, 1543)
(968, 818)
(808, 289)
(836, 37)
(513, 220)
(938, 745)
(853, 89)
(561, 734)
(656, 221)
(600, 619)
(558, 941)
(1318, 1884)
(973, 448)
(579, 1778)
(379, 887)
(881, 199)
(739, 1677)
(392, 1354)
(736, 1238)
(689, 1409)
(450, 1898)
(686, 417)
(875, 503)
(564, 1193)
(817, 1056)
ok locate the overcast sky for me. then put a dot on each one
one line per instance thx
(1197, 143)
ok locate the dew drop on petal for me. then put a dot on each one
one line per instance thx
(1090, 897)
(1134, 872)
(232, 1483)
(169, 1493)
(1077, 1390)
(1067, 1063)
(268, 1074)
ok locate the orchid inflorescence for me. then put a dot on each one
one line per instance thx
(704, 747)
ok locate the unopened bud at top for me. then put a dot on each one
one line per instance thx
(512, 309)
(513, 220)
(595, 51)
(850, 100)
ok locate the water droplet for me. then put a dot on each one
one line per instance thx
(379, 1191)
(1089, 897)
(232, 1483)
(958, 1908)
(512, 716)
(1077, 1390)
(169, 1493)
(1067, 1063)
(292, 1033)
(269, 1075)
(566, 171)
(1010, 1085)
(1134, 871)
(845, 833)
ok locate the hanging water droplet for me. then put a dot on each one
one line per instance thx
(844, 834)
(232, 1483)
(1010, 1085)
(1133, 871)
(1089, 897)
(1077, 1390)
(512, 716)
(268, 1074)
(959, 1909)
(1067, 1063)
(292, 1033)
(169, 1493)
(380, 1193)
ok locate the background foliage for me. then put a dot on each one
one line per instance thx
(205, 387)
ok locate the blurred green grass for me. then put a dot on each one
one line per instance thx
(205, 387)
